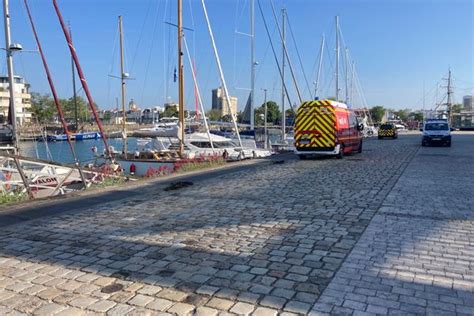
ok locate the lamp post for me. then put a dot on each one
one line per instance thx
(10, 48)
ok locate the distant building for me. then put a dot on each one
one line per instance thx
(468, 103)
(22, 99)
(219, 102)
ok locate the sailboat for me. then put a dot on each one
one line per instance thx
(25, 175)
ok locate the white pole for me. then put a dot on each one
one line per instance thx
(221, 73)
(283, 43)
(318, 77)
(352, 82)
(346, 63)
(254, 64)
(11, 81)
(197, 92)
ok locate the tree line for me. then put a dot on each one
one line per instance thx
(44, 109)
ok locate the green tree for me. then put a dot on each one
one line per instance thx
(273, 113)
(456, 108)
(416, 116)
(82, 109)
(402, 114)
(42, 107)
(213, 115)
(377, 113)
(170, 112)
(226, 118)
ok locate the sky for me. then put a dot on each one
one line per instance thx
(401, 49)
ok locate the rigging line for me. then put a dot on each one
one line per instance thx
(140, 36)
(112, 64)
(299, 56)
(264, 57)
(165, 91)
(286, 53)
(168, 47)
(316, 61)
(274, 53)
(150, 52)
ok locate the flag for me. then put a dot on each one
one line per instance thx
(175, 76)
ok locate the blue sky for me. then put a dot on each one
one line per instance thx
(398, 47)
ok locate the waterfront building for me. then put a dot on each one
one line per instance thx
(22, 99)
(468, 103)
(219, 102)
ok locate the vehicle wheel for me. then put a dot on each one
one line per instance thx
(448, 144)
(380, 137)
(340, 154)
(395, 136)
(302, 157)
(359, 150)
(423, 144)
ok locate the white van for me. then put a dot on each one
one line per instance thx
(436, 131)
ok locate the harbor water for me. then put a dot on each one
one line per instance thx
(60, 151)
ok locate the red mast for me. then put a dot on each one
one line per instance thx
(82, 77)
(53, 91)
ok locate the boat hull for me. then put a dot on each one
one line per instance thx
(145, 168)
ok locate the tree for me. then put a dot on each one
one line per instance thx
(416, 116)
(170, 112)
(456, 108)
(213, 115)
(42, 107)
(273, 113)
(69, 109)
(377, 113)
(402, 114)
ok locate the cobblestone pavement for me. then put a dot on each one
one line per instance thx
(417, 255)
(270, 239)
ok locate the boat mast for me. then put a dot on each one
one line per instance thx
(320, 65)
(74, 93)
(83, 79)
(352, 82)
(337, 58)
(253, 66)
(11, 83)
(283, 42)
(221, 73)
(122, 78)
(449, 105)
(180, 77)
(346, 63)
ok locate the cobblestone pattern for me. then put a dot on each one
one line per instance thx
(261, 241)
(417, 255)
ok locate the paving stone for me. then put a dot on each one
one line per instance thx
(140, 300)
(181, 309)
(205, 311)
(263, 311)
(160, 304)
(242, 308)
(102, 306)
(49, 309)
(220, 304)
(120, 309)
